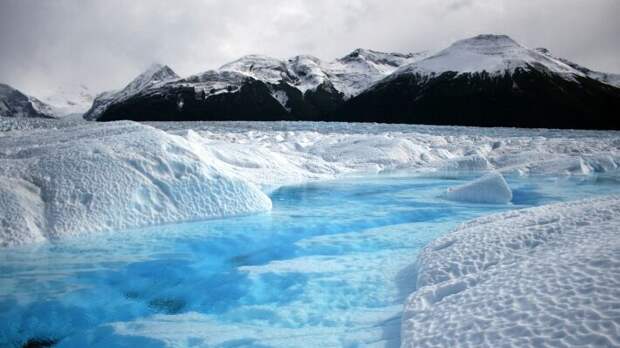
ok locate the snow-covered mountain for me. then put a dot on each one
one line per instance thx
(349, 75)
(488, 80)
(69, 100)
(302, 86)
(14, 103)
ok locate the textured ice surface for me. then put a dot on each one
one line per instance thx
(307, 151)
(545, 276)
(267, 155)
(109, 177)
(491, 188)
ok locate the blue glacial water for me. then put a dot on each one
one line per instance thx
(331, 265)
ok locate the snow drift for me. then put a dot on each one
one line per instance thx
(491, 188)
(98, 178)
(544, 276)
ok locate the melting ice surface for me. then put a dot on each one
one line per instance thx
(331, 265)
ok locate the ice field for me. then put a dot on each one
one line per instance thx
(303, 234)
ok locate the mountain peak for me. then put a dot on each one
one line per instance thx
(490, 53)
(488, 44)
(154, 74)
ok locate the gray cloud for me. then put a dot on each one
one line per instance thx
(103, 44)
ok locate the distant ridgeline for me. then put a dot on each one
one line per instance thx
(487, 80)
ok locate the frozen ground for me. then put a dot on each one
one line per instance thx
(304, 272)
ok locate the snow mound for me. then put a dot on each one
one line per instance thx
(491, 188)
(544, 276)
(94, 178)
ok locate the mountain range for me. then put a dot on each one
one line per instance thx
(487, 80)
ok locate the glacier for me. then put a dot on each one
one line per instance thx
(84, 196)
(77, 177)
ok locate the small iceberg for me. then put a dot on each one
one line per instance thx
(491, 188)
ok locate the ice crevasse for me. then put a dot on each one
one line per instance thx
(111, 177)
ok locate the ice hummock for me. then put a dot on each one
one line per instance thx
(491, 188)
(111, 177)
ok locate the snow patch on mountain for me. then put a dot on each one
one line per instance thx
(491, 189)
(282, 98)
(349, 75)
(358, 70)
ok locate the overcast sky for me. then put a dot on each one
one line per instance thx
(104, 44)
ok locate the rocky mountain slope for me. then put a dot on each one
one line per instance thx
(14, 103)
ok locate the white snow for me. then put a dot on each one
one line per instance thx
(491, 188)
(495, 54)
(608, 78)
(281, 97)
(95, 178)
(544, 276)
(357, 71)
